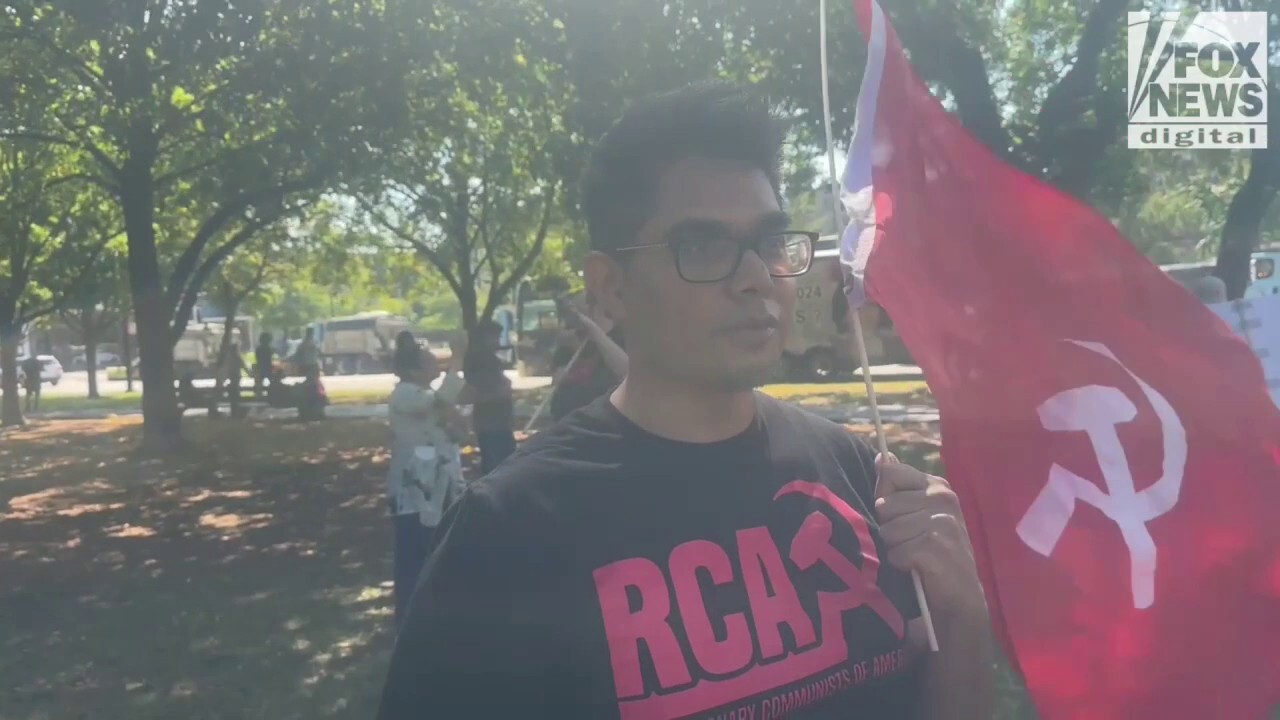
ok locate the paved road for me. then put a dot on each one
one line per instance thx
(76, 384)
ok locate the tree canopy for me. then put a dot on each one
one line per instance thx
(425, 157)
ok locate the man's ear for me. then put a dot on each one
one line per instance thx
(604, 279)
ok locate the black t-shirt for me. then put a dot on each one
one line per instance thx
(483, 370)
(604, 572)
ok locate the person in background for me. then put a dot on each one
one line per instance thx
(1210, 289)
(488, 390)
(263, 360)
(426, 467)
(32, 369)
(600, 366)
(235, 373)
(306, 357)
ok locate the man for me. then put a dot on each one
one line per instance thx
(263, 362)
(489, 390)
(32, 372)
(306, 358)
(600, 365)
(686, 547)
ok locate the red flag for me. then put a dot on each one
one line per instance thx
(1113, 444)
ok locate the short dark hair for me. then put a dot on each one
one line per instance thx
(407, 357)
(716, 121)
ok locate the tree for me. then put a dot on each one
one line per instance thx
(476, 187)
(46, 247)
(1242, 228)
(230, 107)
(238, 281)
(96, 305)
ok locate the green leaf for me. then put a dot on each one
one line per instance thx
(181, 99)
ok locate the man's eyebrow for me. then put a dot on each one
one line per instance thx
(697, 225)
(775, 221)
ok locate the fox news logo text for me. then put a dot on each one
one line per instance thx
(1198, 84)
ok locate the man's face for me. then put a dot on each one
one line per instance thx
(726, 335)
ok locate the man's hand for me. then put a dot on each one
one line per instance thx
(594, 324)
(923, 530)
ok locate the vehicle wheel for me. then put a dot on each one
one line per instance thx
(820, 365)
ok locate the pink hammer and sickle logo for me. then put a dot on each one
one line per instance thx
(812, 545)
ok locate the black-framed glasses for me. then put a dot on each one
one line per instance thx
(709, 258)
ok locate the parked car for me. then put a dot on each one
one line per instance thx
(105, 360)
(50, 370)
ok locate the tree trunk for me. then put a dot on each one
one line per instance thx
(91, 351)
(11, 412)
(161, 429)
(470, 313)
(1244, 219)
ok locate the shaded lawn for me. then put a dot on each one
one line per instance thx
(243, 580)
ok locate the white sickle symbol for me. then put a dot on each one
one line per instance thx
(1096, 411)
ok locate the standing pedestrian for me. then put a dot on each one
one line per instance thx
(489, 391)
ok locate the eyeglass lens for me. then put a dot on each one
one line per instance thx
(714, 258)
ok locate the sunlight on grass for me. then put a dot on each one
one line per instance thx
(799, 391)
(116, 402)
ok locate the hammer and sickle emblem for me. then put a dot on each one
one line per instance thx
(1097, 410)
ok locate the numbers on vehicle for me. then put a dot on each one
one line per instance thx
(810, 315)
(808, 293)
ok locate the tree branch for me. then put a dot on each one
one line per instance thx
(499, 290)
(65, 58)
(938, 50)
(1067, 100)
(426, 251)
(65, 297)
(228, 211)
(201, 274)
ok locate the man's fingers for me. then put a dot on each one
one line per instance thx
(898, 504)
(896, 477)
(905, 527)
(912, 554)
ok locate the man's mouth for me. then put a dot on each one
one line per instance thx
(759, 324)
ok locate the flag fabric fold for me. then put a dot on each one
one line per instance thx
(1112, 441)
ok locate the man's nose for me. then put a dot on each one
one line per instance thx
(752, 275)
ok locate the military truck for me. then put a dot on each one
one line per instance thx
(359, 344)
(821, 343)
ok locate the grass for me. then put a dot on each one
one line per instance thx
(849, 393)
(245, 579)
(806, 394)
(121, 402)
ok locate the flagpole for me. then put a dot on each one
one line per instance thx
(859, 339)
(552, 391)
